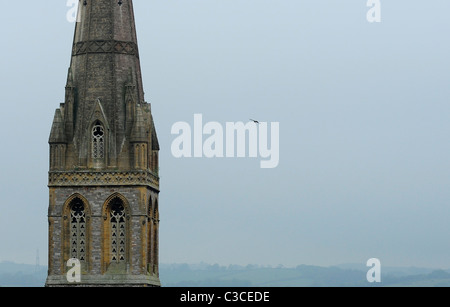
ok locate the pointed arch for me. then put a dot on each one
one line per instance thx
(116, 233)
(98, 136)
(76, 217)
(98, 144)
(156, 238)
(150, 235)
(153, 241)
(98, 141)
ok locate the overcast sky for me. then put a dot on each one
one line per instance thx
(363, 109)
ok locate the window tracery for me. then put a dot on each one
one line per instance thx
(98, 141)
(118, 231)
(78, 230)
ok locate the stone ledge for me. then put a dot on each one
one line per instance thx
(103, 178)
(107, 280)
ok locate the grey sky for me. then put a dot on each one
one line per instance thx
(364, 127)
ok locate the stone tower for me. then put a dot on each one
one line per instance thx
(103, 178)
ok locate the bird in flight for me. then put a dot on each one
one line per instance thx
(255, 121)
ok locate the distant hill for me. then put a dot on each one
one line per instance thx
(253, 276)
(389, 270)
(206, 275)
(438, 278)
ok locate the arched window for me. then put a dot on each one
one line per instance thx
(155, 235)
(77, 230)
(150, 237)
(98, 141)
(118, 231)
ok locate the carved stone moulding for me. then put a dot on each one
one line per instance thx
(105, 46)
(104, 178)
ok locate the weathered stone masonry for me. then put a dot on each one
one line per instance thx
(104, 151)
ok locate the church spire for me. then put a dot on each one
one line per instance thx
(104, 152)
(104, 66)
(106, 27)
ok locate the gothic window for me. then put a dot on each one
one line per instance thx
(155, 237)
(149, 236)
(98, 141)
(78, 230)
(118, 231)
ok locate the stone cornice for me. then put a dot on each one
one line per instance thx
(102, 178)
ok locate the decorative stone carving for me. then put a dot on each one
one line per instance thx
(105, 46)
(88, 178)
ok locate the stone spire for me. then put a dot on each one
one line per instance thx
(104, 151)
(104, 67)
